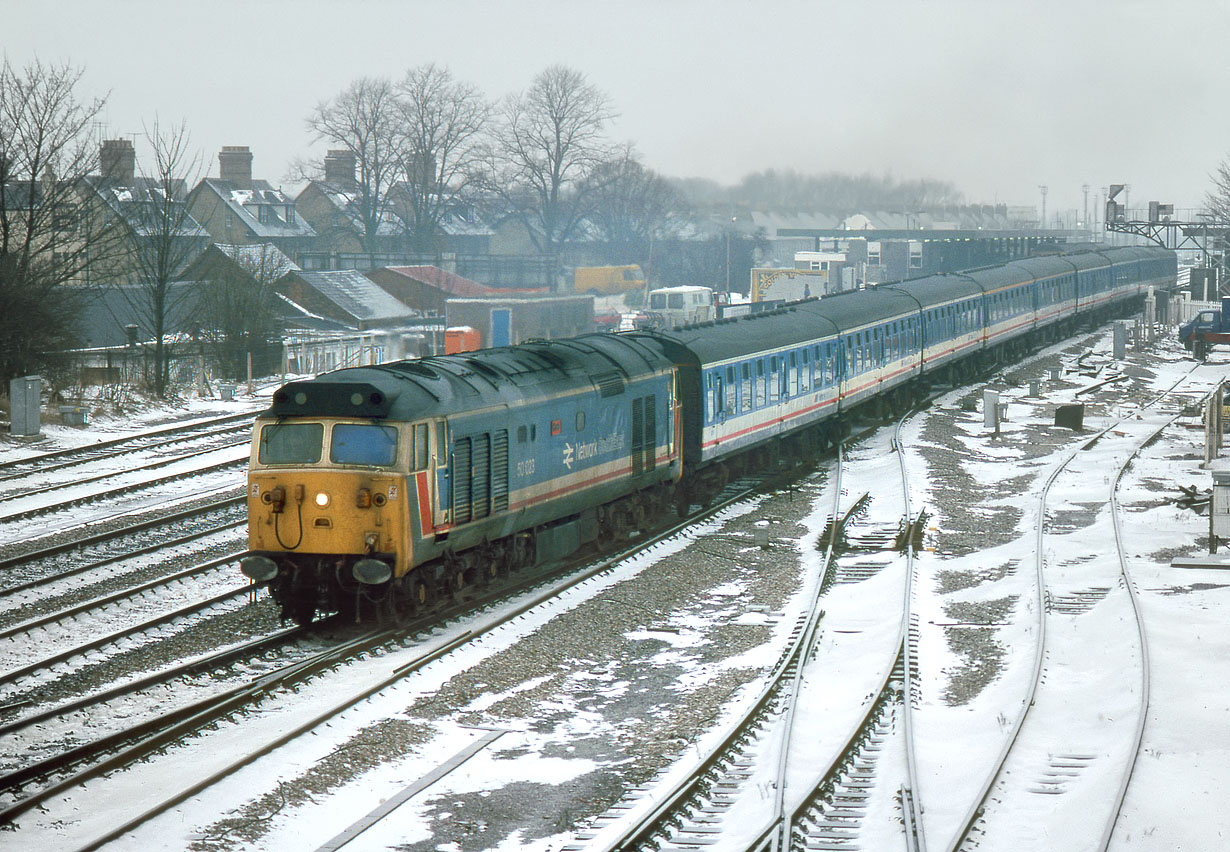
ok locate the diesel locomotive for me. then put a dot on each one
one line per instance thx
(383, 488)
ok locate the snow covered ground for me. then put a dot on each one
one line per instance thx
(982, 549)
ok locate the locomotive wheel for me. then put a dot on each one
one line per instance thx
(421, 595)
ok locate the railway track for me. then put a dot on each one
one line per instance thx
(40, 582)
(1065, 766)
(88, 761)
(87, 545)
(180, 480)
(820, 778)
(56, 460)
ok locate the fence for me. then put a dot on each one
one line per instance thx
(310, 354)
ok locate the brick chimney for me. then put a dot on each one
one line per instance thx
(235, 165)
(339, 167)
(117, 161)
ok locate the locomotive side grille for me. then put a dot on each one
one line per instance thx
(638, 434)
(499, 471)
(648, 450)
(480, 478)
(461, 481)
(609, 384)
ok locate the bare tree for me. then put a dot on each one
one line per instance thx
(546, 149)
(632, 206)
(45, 262)
(841, 194)
(363, 119)
(441, 119)
(1217, 199)
(161, 239)
(238, 308)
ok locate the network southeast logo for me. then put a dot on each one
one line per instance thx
(610, 444)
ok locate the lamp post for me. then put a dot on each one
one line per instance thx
(733, 219)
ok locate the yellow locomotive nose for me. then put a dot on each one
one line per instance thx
(327, 513)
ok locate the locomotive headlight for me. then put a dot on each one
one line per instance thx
(322, 499)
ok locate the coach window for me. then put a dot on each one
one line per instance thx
(745, 387)
(794, 373)
(731, 391)
(805, 373)
(775, 366)
(760, 383)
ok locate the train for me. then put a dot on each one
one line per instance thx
(385, 489)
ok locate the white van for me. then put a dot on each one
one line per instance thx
(678, 306)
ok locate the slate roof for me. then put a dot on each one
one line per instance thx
(343, 200)
(247, 203)
(453, 223)
(126, 200)
(355, 294)
(252, 256)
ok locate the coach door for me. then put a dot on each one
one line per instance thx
(644, 431)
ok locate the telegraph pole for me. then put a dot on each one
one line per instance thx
(1042, 223)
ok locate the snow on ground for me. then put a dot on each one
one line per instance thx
(107, 420)
(1174, 800)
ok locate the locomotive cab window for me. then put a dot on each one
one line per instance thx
(291, 443)
(358, 443)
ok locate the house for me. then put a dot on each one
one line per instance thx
(333, 206)
(135, 206)
(345, 296)
(427, 288)
(235, 209)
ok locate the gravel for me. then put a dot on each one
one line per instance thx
(608, 658)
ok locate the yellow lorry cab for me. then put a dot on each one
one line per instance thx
(608, 280)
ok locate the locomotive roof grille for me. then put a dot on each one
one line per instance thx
(609, 384)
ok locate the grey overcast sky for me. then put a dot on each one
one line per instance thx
(997, 97)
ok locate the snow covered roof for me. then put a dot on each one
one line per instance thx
(355, 294)
(344, 201)
(128, 202)
(264, 211)
(261, 256)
